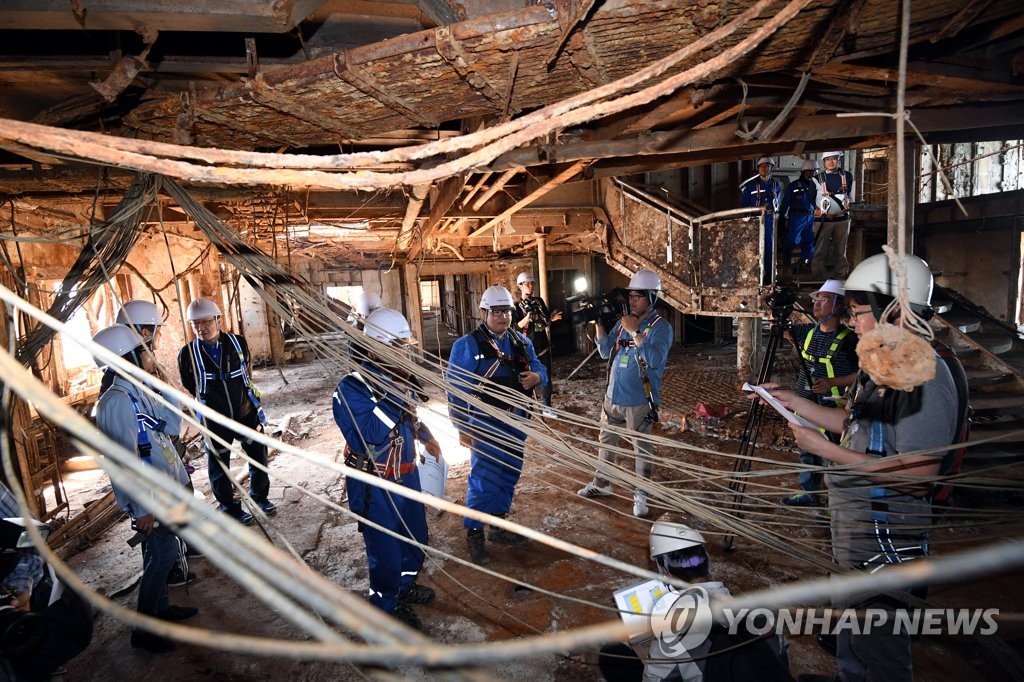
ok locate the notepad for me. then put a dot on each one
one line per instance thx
(788, 414)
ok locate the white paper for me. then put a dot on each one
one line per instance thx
(635, 604)
(779, 407)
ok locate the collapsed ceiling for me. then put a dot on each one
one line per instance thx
(323, 78)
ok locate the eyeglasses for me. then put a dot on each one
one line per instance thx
(821, 298)
(501, 313)
(636, 295)
(851, 314)
(204, 322)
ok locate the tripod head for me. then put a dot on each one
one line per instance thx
(781, 300)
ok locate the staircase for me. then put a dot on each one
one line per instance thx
(993, 356)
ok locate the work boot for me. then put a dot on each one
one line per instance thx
(417, 594)
(405, 614)
(504, 537)
(154, 644)
(477, 552)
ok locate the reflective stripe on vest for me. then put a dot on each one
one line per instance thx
(830, 371)
(203, 376)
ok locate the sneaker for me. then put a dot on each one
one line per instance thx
(548, 413)
(154, 644)
(801, 500)
(178, 579)
(405, 614)
(175, 613)
(240, 515)
(593, 489)
(640, 509)
(268, 507)
(417, 594)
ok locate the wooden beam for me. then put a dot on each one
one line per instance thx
(554, 182)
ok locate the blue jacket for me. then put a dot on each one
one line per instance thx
(625, 387)
(367, 419)
(467, 364)
(800, 198)
(760, 192)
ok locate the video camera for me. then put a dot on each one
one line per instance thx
(781, 300)
(536, 311)
(605, 308)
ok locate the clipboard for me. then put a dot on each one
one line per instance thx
(635, 604)
(787, 414)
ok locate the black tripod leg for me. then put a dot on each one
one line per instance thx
(748, 441)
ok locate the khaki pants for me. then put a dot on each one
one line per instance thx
(643, 449)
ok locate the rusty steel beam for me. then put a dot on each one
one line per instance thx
(267, 95)
(451, 50)
(352, 74)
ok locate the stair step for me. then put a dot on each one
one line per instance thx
(965, 323)
(980, 431)
(997, 344)
(998, 402)
(985, 377)
(965, 352)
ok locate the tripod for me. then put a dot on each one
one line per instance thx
(781, 302)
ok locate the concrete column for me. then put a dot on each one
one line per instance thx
(748, 347)
(906, 174)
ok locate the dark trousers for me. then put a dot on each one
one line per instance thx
(259, 481)
(619, 663)
(546, 359)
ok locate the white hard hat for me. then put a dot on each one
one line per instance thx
(366, 302)
(667, 537)
(524, 277)
(496, 297)
(809, 164)
(827, 155)
(645, 280)
(139, 313)
(387, 325)
(873, 275)
(119, 339)
(832, 286)
(200, 309)
(765, 159)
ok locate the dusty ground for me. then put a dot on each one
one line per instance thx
(475, 607)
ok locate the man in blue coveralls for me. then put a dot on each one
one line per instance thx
(508, 360)
(374, 407)
(796, 217)
(766, 191)
(636, 348)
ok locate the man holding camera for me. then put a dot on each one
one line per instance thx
(636, 348)
(828, 366)
(531, 317)
(498, 366)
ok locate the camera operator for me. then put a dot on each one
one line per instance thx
(531, 317)
(41, 628)
(828, 366)
(637, 349)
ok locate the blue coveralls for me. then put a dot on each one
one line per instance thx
(767, 193)
(372, 423)
(798, 205)
(496, 458)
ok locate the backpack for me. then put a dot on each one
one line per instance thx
(953, 460)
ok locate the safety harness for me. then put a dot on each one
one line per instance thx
(830, 371)
(203, 377)
(823, 179)
(517, 363)
(767, 196)
(143, 421)
(392, 467)
(641, 365)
